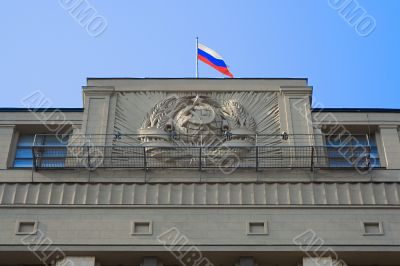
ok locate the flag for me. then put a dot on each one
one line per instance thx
(213, 59)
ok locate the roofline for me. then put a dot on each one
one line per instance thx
(356, 110)
(332, 110)
(88, 78)
(21, 110)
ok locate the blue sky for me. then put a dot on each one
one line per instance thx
(44, 48)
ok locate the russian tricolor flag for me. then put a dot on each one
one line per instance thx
(213, 59)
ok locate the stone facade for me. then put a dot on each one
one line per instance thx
(154, 194)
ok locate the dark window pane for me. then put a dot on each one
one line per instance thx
(23, 163)
(52, 163)
(349, 151)
(23, 153)
(56, 140)
(53, 157)
(25, 140)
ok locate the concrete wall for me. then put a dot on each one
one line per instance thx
(208, 228)
(102, 104)
(97, 220)
(12, 124)
(384, 125)
(7, 141)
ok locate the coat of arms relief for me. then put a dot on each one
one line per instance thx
(224, 124)
(200, 120)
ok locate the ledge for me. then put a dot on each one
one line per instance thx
(345, 194)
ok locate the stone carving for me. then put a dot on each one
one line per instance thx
(198, 121)
(179, 120)
(241, 124)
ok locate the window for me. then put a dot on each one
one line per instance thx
(53, 151)
(24, 155)
(352, 150)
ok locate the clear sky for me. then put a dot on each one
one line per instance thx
(44, 48)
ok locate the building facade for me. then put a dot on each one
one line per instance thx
(198, 172)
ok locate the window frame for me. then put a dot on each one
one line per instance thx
(34, 141)
(341, 162)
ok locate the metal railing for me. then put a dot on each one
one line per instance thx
(198, 139)
(132, 151)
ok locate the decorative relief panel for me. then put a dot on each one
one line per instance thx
(246, 113)
(227, 123)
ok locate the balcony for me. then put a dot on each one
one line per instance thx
(152, 151)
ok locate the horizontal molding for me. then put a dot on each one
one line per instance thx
(200, 194)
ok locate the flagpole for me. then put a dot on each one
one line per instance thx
(197, 60)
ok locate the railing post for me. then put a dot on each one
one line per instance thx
(200, 159)
(88, 157)
(34, 158)
(34, 165)
(256, 158)
(368, 159)
(144, 159)
(312, 158)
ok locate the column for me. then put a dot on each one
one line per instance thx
(6, 145)
(96, 120)
(391, 146)
(297, 111)
(96, 114)
(320, 152)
